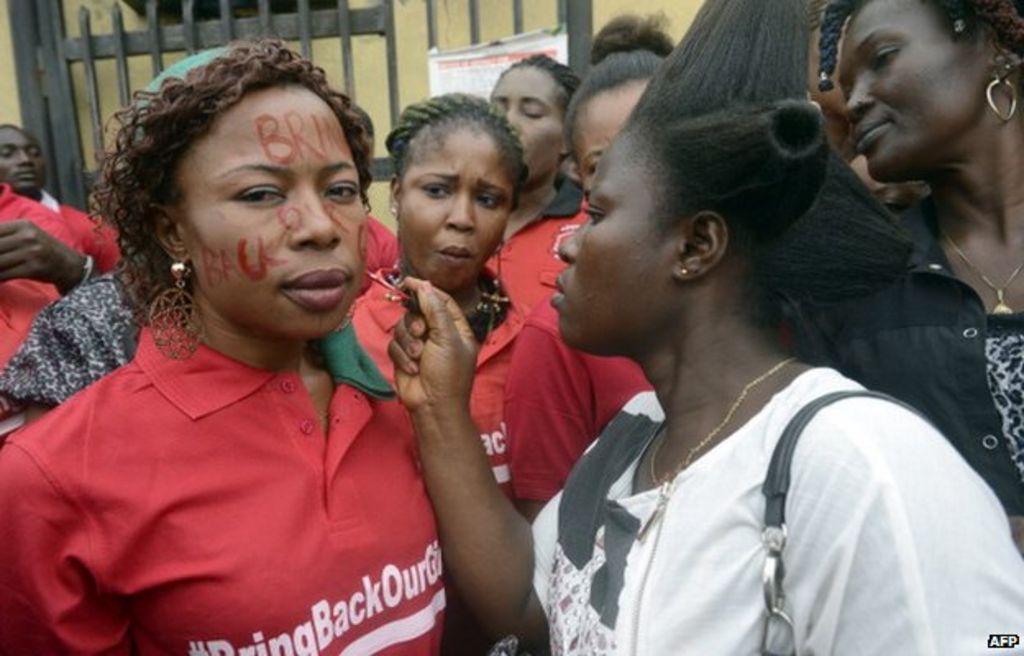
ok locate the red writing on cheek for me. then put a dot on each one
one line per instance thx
(263, 263)
(217, 267)
(363, 239)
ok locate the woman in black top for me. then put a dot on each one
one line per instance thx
(932, 92)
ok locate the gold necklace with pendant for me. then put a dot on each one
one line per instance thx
(1001, 306)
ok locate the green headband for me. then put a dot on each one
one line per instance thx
(180, 69)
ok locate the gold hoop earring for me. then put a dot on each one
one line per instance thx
(173, 318)
(990, 95)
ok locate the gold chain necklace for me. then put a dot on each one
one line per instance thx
(1001, 306)
(717, 429)
(665, 486)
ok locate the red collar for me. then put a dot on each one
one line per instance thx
(204, 383)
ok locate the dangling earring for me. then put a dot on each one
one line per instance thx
(173, 318)
(997, 81)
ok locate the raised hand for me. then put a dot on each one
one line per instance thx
(434, 352)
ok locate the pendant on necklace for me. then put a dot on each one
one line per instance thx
(1001, 306)
(664, 493)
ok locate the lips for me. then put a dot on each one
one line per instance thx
(866, 135)
(318, 291)
(456, 255)
(558, 297)
(25, 175)
(456, 252)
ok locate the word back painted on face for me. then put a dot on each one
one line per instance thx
(249, 263)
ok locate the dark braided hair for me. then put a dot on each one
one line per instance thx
(437, 117)
(564, 77)
(1002, 16)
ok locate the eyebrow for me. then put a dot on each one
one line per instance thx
(283, 171)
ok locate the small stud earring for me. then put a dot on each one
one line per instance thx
(684, 271)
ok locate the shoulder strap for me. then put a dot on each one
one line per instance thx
(776, 483)
(778, 626)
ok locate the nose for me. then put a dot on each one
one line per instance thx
(570, 248)
(462, 216)
(319, 227)
(859, 100)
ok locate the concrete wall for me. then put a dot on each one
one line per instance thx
(369, 53)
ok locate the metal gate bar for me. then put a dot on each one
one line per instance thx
(45, 56)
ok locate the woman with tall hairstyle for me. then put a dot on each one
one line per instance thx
(244, 485)
(717, 203)
(932, 92)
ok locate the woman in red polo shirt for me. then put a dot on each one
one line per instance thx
(458, 169)
(534, 95)
(224, 492)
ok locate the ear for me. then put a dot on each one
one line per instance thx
(169, 233)
(701, 243)
(1004, 62)
(571, 170)
(395, 199)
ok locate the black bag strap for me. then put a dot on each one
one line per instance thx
(776, 483)
(775, 490)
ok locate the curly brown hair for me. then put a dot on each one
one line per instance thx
(158, 128)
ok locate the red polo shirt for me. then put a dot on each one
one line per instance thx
(528, 262)
(375, 318)
(557, 401)
(196, 507)
(92, 238)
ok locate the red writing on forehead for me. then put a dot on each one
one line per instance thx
(290, 138)
(329, 132)
(277, 148)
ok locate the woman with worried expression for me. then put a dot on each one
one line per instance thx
(458, 170)
(212, 496)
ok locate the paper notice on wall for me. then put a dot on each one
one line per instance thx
(476, 69)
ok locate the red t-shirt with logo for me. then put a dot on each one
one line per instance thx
(197, 508)
(528, 262)
(557, 401)
(374, 320)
